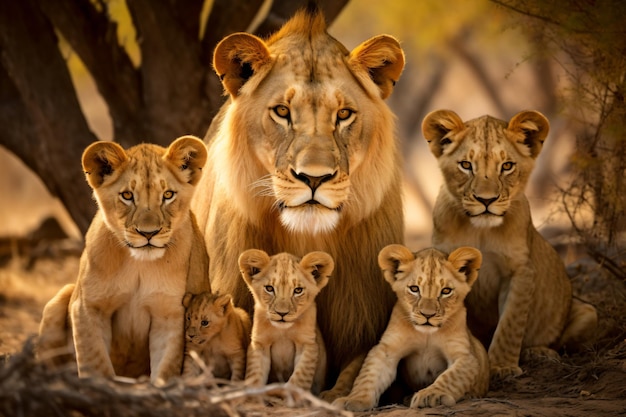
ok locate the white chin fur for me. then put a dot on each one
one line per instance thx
(426, 329)
(486, 221)
(147, 254)
(313, 220)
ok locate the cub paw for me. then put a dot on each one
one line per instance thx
(498, 373)
(332, 394)
(536, 353)
(432, 397)
(353, 404)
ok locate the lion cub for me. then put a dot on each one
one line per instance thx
(218, 332)
(443, 362)
(143, 251)
(286, 344)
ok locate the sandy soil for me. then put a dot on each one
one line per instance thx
(587, 383)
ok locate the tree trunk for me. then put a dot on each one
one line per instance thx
(173, 92)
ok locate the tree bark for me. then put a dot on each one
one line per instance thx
(41, 117)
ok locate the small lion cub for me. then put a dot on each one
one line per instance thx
(218, 332)
(443, 362)
(286, 343)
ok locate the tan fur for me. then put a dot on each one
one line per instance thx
(256, 195)
(523, 299)
(287, 345)
(218, 332)
(442, 361)
(143, 251)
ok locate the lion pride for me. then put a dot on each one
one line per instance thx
(302, 157)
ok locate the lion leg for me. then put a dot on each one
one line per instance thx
(582, 322)
(166, 345)
(54, 345)
(345, 380)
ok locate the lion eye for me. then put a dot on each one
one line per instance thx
(344, 114)
(269, 289)
(168, 195)
(282, 111)
(446, 291)
(126, 195)
(466, 165)
(204, 323)
(414, 289)
(298, 290)
(507, 166)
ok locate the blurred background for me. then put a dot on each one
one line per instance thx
(476, 57)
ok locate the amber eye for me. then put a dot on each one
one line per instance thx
(204, 323)
(168, 195)
(269, 289)
(282, 111)
(466, 165)
(414, 289)
(446, 291)
(127, 195)
(298, 290)
(344, 114)
(507, 166)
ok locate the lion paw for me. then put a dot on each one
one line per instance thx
(432, 397)
(353, 404)
(498, 373)
(532, 354)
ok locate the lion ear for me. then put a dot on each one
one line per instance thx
(251, 262)
(467, 261)
(100, 160)
(528, 131)
(439, 128)
(391, 257)
(320, 265)
(224, 303)
(189, 154)
(382, 58)
(187, 299)
(237, 58)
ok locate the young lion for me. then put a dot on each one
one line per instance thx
(143, 251)
(523, 299)
(287, 344)
(443, 362)
(218, 332)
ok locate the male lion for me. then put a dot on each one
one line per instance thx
(303, 158)
(523, 297)
(143, 250)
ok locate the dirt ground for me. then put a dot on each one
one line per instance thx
(587, 383)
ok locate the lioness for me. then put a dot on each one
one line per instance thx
(143, 251)
(523, 298)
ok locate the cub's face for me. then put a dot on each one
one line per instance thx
(430, 286)
(312, 117)
(485, 162)
(284, 286)
(205, 316)
(144, 193)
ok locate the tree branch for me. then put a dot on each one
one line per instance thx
(93, 36)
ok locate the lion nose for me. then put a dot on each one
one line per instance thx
(312, 181)
(148, 234)
(282, 314)
(485, 201)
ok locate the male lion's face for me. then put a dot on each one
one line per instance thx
(313, 120)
